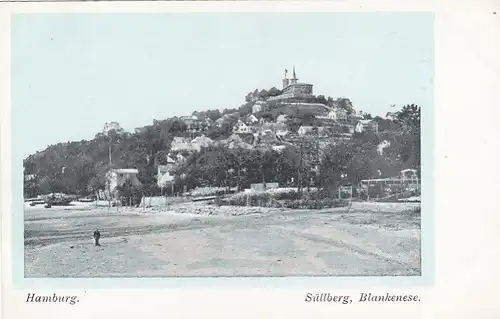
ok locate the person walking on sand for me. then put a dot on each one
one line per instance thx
(97, 235)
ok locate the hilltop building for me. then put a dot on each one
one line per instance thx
(356, 116)
(292, 89)
(367, 125)
(338, 114)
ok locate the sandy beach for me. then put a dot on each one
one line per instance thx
(370, 239)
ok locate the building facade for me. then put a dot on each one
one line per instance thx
(338, 114)
(258, 107)
(165, 173)
(293, 89)
(241, 128)
(366, 126)
(117, 177)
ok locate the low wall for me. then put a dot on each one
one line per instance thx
(261, 187)
(153, 201)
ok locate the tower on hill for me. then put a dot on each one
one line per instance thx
(292, 89)
(286, 81)
(294, 79)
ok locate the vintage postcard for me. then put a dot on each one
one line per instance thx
(224, 148)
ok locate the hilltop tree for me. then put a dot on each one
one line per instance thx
(245, 109)
(263, 94)
(321, 99)
(345, 104)
(274, 92)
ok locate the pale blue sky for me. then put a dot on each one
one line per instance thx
(73, 73)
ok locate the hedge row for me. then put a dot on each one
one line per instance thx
(315, 204)
(292, 194)
(271, 200)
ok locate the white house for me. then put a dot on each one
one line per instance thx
(282, 131)
(219, 121)
(276, 128)
(235, 141)
(278, 148)
(384, 144)
(366, 125)
(241, 128)
(263, 120)
(165, 175)
(391, 116)
(191, 121)
(251, 119)
(182, 144)
(201, 141)
(117, 177)
(359, 128)
(29, 177)
(281, 118)
(303, 130)
(179, 158)
(337, 114)
(257, 107)
(356, 116)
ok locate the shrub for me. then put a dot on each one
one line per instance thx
(294, 204)
(291, 198)
(315, 194)
(286, 195)
(315, 204)
(250, 199)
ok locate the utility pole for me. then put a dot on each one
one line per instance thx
(109, 152)
(299, 177)
(318, 160)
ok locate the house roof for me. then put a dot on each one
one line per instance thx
(240, 123)
(235, 141)
(170, 160)
(338, 110)
(274, 126)
(165, 180)
(282, 117)
(202, 140)
(179, 139)
(355, 115)
(306, 128)
(126, 170)
(366, 122)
